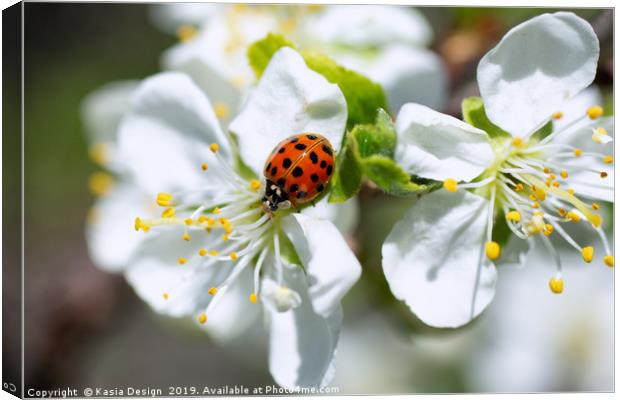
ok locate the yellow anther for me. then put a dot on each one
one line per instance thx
(608, 159)
(221, 110)
(202, 252)
(578, 152)
(214, 147)
(253, 298)
(186, 237)
(548, 229)
(168, 213)
(587, 253)
(535, 225)
(186, 32)
(139, 224)
(519, 187)
(164, 199)
(188, 221)
(600, 136)
(98, 153)
(595, 206)
(596, 220)
(552, 177)
(228, 228)
(202, 219)
(223, 221)
(556, 184)
(182, 260)
(450, 185)
(210, 222)
(562, 212)
(216, 210)
(564, 174)
(233, 256)
(570, 191)
(225, 237)
(603, 174)
(166, 296)
(100, 183)
(546, 170)
(212, 291)
(548, 183)
(594, 112)
(204, 166)
(202, 318)
(609, 261)
(573, 216)
(556, 285)
(514, 216)
(254, 184)
(492, 249)
(540, 194)
(557, 115)
(517, 142)
(532, 197)
(535, 205)
(601, 131)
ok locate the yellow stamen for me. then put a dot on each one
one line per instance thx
(202, 252)
(166, 296)
(450, 185)
(202, 318)
(212, 291)
(608, 159)
(595, 206)
(233, 256)
(596, 220)
(571, 191)
(164, 199)
(221, 110)
(556, 285)
(587, 253)
(100, 183)
(562, 212)
(517, 142)
(557, 115)
(493, 250)
(214, 147)
(168, 213)
(546, 170)
(225, 238)
(535, 205)
(609, 261)
(519, 187)
(188, 221)
(603, 174)
(556, 184)
(202, 219)
(564, 174)
(535, 225)
(98, 153)
(254, 184)
(216, 210)
(532, 197)
(600, 136)
(540, 194)
(186, 237)
(513, 216)
(204, 166)
(213, 253)
(253, 298)
(578, 152)
(139, 224)
(186, 32)
(548, 229)
(182, 260)
(594, 112)
(573, 216)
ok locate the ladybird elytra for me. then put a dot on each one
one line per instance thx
(298, 170)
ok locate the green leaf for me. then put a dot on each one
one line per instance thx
(379, 138)
(260, 52)
(475, 115)
(347, 179)
(390, 177)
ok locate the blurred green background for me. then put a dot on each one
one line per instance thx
(85, 327)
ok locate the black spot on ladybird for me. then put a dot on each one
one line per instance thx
(274, 171)
(282, 150)
(294, 139)
(311, 137)
(281, 182)
(300, 146)
(314, 158)
(293, 188)
(314, 177)
(323, 164)
(286, 163)
(329, 170)
(320, 187)
(301, 195)
(297, 172)
(327, 150)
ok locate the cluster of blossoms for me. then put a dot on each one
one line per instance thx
(189, 148)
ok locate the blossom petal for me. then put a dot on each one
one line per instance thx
(302, 344)
(331, 266)
(438, 146)
(344, 215)
(408, 74)
(110, 233)
(433, 259)
(154, 270)
(577, 106)
(535, 68)
(371, 25)
(166, 134)
(169, 17)
(290, 98)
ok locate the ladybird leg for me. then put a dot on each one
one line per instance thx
(284, 205)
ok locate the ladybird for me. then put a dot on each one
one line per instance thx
(297, 170)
